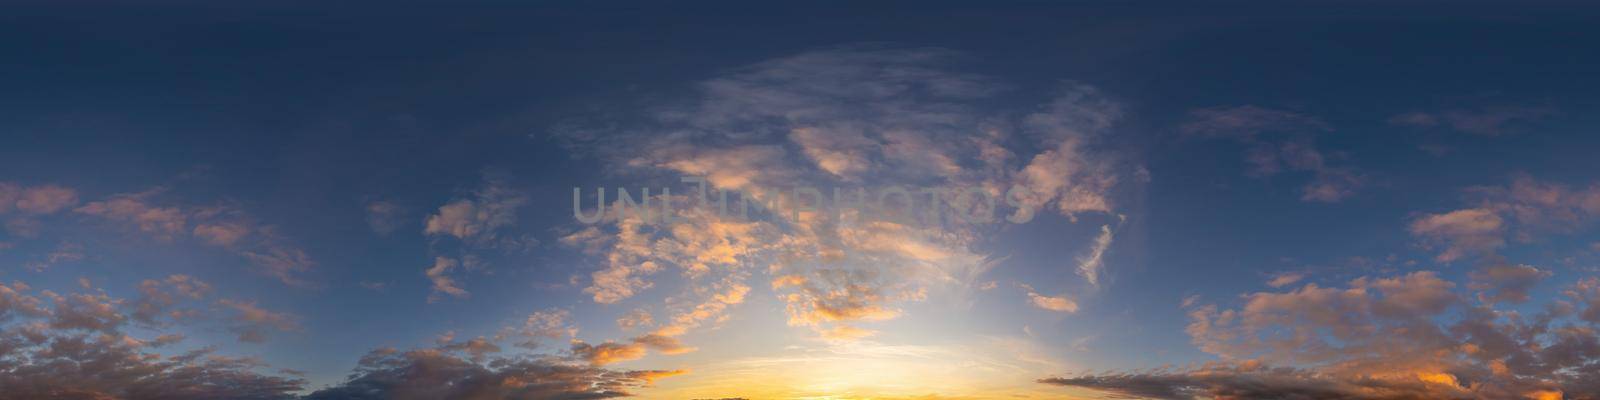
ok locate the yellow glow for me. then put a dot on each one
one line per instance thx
(870, 371)
(1543, 395)
(1438, 378)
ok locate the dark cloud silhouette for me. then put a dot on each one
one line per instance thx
(436, 374)
(55, 346)
(1243, 383)
(38, 363)
(1407, 337)
(72, 347)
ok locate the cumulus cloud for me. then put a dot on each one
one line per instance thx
(476, 218)
(830, 300)
(1522, 210)
(1065, 173)
(477, 349)
(635, 348)
(14, 303)
(158, 305)
(85, 311)
(1461, 232)
(1278, 141)
(635, 319)
(1540, 207)
(21, 205)
(698, 242)
(158, 297)
(135, 208)
(607, 352)
(44, 199)
(1506, 283)
(477, 222)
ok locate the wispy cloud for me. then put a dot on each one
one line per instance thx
(221, 226)
(1052, 303)
(1486, 121)
(1090, 264)
(1279, 140)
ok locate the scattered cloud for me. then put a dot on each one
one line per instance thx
(476, 218)
(541, 325)
(607, 352)
(221, 226)
(1461, 232)
(66, 252)
(43, 199)
(1278, 140)
(252, 323)
(224, 234)
(1506, 283)
(20, 206)
(1521, 211)
(637, 318)
(85, 311)
(374, 285)
(477, 349)
(135, 208)
(158, 297)
(1248, 122)
(1487, 121)
(476, 221)
(384, 217)
(1285, 279)
(1052, 303)
(443, 284)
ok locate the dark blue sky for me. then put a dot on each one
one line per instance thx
(1249, 142)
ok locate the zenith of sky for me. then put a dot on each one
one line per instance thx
(376, 201)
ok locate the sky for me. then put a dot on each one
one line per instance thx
(895, 200)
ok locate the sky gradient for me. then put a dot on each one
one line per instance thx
(377, 201)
